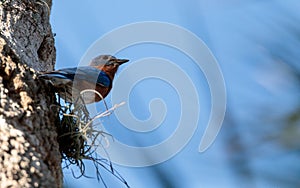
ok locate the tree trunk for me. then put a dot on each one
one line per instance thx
(29, 152)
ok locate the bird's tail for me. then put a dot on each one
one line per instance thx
(55, 78)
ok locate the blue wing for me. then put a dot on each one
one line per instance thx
(86, 73)
(104, 79)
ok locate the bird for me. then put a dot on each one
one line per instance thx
(73, 84)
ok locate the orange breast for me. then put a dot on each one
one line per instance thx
(81, 85)
(104, 91)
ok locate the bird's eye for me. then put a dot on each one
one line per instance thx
(111, 62)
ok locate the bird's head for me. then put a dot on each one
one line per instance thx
(107, 63)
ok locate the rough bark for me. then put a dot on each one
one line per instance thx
(29, 153)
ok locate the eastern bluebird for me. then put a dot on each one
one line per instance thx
(99, 75)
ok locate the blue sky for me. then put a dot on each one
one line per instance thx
(241, 35)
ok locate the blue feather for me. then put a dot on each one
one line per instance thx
(104, 79)
(86, 73)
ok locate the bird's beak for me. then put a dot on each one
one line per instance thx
(121, 61)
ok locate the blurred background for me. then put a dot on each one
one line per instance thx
(257, 46)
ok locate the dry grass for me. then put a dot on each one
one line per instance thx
(75, 129)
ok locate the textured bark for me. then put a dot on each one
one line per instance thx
(29, 153)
